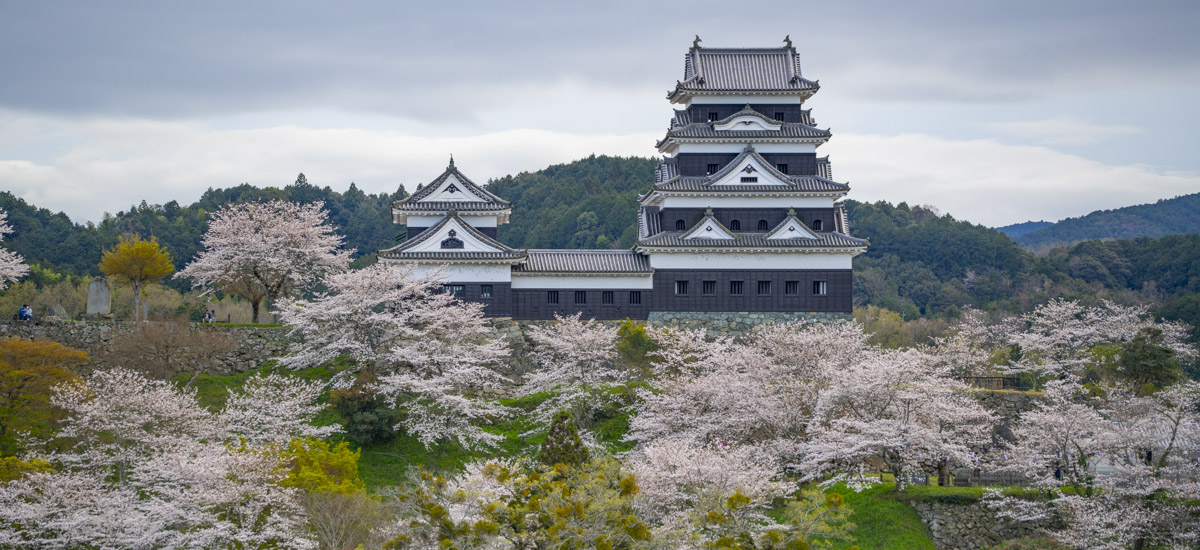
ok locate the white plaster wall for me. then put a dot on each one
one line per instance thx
(464, 273)
(565, 281)
(744, 99)
(750, 261)
(747, 202)
(474, 221)
(739, 146)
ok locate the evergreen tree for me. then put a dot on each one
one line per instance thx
(562, 444)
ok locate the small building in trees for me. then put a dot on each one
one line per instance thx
(742, 216)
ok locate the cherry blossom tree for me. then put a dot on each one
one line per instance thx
(145, 466)
(266, 250)
(575, 361)
(894, 408)
(433, 352)
(1125, 458)
(12, 265)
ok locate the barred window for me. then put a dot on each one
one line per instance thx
(681, 287)
(581, 296)
(791, 287)
(606, 297)
(782, 168)
(764, 287)
(820, 288)
(735, 287)
(709, 287)
(680, 225)
(551, 296)
(817, 225)
(762, 225)
(735, 225)
(485, 291)
(712, 168)
(635, 297)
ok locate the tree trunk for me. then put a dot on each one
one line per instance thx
(137, 296)
(256, 306)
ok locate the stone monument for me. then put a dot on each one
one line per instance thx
(99, 299)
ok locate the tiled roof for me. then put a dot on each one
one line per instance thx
(796, 183)
(673, 239)
(665, 171)
(401, 251)
(706, 130)
(648, 221)
(443, 206)
(493, 202)
(736, 69)
(584, 261)
(682, 118)
(824, 169)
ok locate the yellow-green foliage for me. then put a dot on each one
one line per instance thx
(634, 346)
(318, 467)
(29, 370)
(12, 467)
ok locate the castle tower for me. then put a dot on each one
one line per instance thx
(743, 215)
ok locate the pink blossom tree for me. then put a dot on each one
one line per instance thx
(145, 466)
(575, 361)
(433, 353)
(12, 265)
(266, 250)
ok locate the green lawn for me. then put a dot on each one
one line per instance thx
(881, 520)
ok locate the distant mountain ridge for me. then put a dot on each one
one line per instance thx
(1024, 228)
(1175, 216)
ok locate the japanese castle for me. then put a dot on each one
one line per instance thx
(742, 215)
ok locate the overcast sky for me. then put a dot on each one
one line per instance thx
(995, 112)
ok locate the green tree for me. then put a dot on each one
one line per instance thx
(29, 371)
(1147, 364)
(137, 263)
(562, 444)
(634, 346)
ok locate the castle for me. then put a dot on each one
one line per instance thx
(742, 216)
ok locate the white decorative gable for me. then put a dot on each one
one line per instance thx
(791, 228)
(747, 123)
(452, 237)
(750, 172)
(709, 228)
(452, 190)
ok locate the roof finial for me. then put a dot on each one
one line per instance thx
(791, 212)
(452, 160)
(708, 211)
(749, 148)
(788, 40)
(696, 42)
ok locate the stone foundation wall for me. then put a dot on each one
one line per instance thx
(736, 324)
(954, 526)
(254, 345)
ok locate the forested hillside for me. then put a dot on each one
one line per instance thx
(1018, 229)
(53, 241)
(589, 203)
(1175, 216)
(920, 262)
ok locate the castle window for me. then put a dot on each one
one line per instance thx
(749, 179)
(764, 287)
(762, 225)
(606, 297)
(451, 241)
(735, 225)
(779, 115)
(817, 225)
(713, 116)
(551, 296)
(456, 290)
(680, 225)
(782, 168)
(709, 287)
(712, 168)
(581, 296)
(681, 288)
(791, 287)
(820, 288)
(735, 287)
(635, 297)
(485, 291)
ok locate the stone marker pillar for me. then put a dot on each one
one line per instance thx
(99, 300)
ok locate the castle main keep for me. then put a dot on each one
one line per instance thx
(742, 215)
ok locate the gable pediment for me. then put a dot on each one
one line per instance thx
(747, 123)
(709, 228)
(452, 190)
(452, 237)
(791, 228)
(750, 171)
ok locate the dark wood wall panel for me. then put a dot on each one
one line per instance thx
(748, 216)
(414, 231)
(696, 164)
(839, 298)
(791, 111)
(530, 304)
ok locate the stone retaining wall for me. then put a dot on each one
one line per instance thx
(954, 526)
(735, 323)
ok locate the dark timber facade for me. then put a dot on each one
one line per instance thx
(742, 216)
